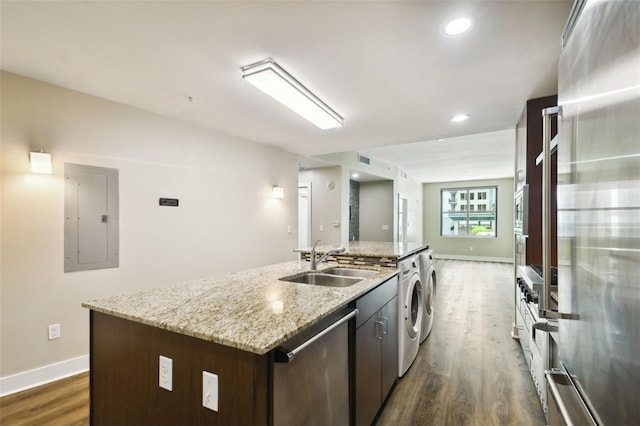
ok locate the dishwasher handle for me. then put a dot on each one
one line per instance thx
(282, 356)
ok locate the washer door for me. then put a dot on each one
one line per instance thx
(413, 306)
(430, 292)
(428, 298)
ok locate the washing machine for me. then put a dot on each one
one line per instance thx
(428, 278)
(410, 307)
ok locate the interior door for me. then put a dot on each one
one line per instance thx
(304, 215)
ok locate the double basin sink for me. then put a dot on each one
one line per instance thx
(332, 277)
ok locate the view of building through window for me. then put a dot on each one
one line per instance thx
(469, 212)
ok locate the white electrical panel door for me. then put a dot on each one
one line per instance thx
(91, 218)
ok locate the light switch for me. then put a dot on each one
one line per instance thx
(210, 390)
(385, 227)
(321, 228)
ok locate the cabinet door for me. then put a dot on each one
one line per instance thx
(389, 370)
(368, 358)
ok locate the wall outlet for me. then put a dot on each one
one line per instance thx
(165, 375)
(54, 331)
(210, 390)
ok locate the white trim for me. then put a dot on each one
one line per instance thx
(43, 375)
(474, 258)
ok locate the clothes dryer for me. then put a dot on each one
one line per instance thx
(428, 278)
(410, 307)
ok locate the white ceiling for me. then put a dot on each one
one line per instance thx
(473, 157)
(383, 65)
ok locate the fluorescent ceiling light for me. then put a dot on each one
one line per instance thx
(459, 118)
(276, 82)
(457, 26)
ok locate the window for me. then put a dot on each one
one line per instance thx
(461, 218)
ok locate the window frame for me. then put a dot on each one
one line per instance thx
(465, 197)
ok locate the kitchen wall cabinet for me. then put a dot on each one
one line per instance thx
(376, 350)
(528, 147)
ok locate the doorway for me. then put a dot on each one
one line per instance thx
(304, 214)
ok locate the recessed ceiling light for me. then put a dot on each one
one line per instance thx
(457, 26)
(355, 175)
(440, 140)
(459, 118)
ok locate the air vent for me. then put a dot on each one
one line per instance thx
(364, 160)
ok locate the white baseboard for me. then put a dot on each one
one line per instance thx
(474, 258)
(42, 375)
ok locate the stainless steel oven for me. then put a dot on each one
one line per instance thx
(521, 211)
(533, 334)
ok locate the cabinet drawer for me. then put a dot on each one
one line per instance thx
(373, 301)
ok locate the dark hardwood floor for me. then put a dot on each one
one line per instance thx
(65, 402)
(468, 372)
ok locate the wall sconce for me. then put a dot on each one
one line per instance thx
(40, 162)
(277, 192)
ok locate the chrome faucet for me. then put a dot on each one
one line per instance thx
(316, 262)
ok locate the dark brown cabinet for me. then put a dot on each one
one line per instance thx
(528, 147)
(376, 350)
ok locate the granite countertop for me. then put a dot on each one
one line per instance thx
(373, 249)
(250, 310)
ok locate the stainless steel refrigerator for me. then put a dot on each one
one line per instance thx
(596, 350)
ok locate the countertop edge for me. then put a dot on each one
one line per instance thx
(256, 349)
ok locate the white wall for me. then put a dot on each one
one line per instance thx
(226, 220)
(412, 191)
(407, 188)
(376, 210)
(496, 249)
(325, 203)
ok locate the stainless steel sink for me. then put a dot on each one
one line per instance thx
(328, 280)
(332, 277)
(350, 272)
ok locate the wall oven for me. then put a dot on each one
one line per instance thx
(521, 209)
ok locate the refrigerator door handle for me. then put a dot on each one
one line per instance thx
(566, 405)
(545, 302)
(547, 115)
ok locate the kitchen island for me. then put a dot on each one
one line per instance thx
(368, 253)
(228, 324)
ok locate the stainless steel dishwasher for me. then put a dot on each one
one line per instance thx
(311, 375)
